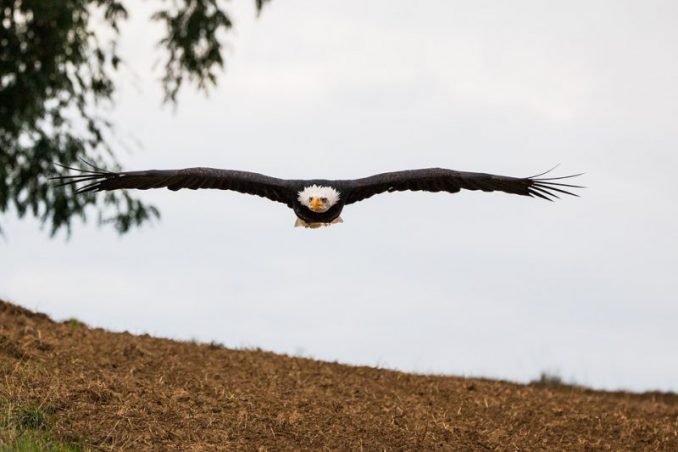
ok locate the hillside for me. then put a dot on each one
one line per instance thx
(89, 387)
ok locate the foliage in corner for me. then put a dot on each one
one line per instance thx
(56, 79)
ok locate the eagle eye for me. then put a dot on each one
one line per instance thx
(323, 199)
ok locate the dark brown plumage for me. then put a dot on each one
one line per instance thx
(451, 181)
(289, 191)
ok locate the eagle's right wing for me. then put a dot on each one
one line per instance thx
(192, 178)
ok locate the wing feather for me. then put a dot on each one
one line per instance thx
(192, 178)
(451, 181)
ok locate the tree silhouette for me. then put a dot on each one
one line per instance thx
(56, 73)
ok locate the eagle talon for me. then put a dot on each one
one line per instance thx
(299, 223)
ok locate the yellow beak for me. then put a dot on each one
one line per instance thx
(317, 205)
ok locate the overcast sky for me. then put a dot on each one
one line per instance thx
(479, 284)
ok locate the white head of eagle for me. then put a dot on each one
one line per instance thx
(318, 199)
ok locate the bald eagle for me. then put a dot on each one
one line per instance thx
(317, 202)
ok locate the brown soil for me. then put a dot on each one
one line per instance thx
(119, 391)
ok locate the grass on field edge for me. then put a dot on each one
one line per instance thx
(26, 429)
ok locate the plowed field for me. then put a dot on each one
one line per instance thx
(119, 391)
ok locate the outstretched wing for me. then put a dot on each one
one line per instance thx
(191, 178)
(439, 179)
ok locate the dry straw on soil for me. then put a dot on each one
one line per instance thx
(113, 391)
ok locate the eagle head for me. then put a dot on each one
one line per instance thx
(317, 198)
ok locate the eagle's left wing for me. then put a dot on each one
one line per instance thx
(451, 181)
